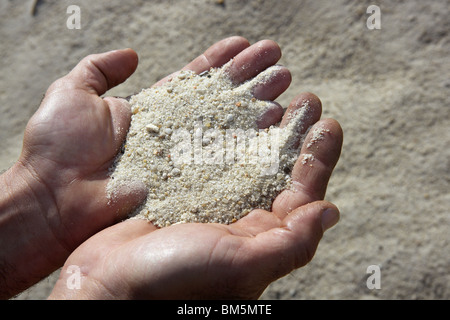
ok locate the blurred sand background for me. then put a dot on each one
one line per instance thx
(388, 88)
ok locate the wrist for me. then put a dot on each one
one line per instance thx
(29, 250)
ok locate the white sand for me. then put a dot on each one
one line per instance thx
(195, 143)
(388, 88)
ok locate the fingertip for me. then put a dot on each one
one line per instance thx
(272, 45)
(132, 53)
(312, 100)
(129, 53)
(330, 217)
(238, 41)
(133, 59)
(312, 220)
(336, 128)
(313, 215)
(274, 85)
(127, 197)
(126, 62)
(306, 100)
(271, 116)
(253, 60)
(324, 142)
(218, 54)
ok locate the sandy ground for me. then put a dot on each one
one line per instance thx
(389, 89)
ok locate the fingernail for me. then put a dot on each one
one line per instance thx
(329, 218)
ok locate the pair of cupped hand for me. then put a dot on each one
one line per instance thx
(72, 140)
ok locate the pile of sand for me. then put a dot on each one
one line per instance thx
(196, 145)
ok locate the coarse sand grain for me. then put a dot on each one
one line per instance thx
(195, 143)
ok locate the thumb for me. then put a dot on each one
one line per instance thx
(292, 245)
(100, 72)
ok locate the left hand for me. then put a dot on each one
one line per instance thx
(54, 197)
(72, 141)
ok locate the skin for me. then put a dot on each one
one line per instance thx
(54, 208)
